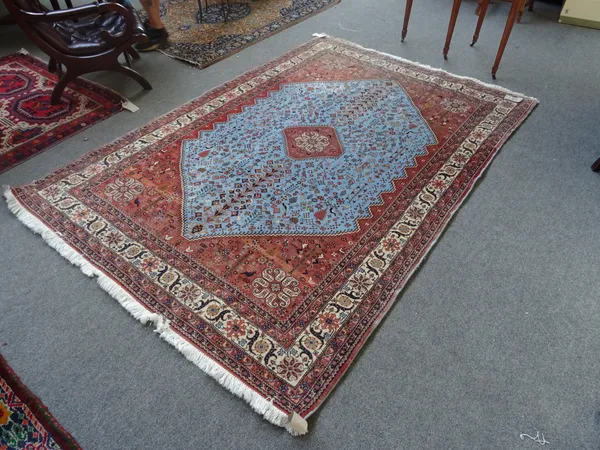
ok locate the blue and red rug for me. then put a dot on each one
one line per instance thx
(29, 124)
(25, 423)
(268, 226)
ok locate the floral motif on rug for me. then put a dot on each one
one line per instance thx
(24, 421)
(273, 221)
(212, 39)
(29, 124)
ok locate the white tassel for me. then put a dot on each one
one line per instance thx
(129, 106)
(225, 378)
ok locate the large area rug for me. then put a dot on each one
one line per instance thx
(248, 22)
(29, 124)
(268, 226)
(25, 423)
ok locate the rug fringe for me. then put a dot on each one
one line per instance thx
(294, 424)
(181, 58)
(128, 105)
(425, 66)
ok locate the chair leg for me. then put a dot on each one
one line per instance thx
(7, 19)
(482, 11)
(406, 18)
(453, 16)
(67, 77)
(127, 58)
(512, 15)
(530, 5)
(133, 74)
(133, 53)
(55, 67)
(596, 166)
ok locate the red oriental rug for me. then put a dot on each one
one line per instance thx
(268, 226)
(24, 421)
(29, 124)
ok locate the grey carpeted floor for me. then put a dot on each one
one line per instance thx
(497, 334)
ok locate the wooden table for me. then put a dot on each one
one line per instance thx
(516, 6)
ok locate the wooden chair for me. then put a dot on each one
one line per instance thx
(84, 39)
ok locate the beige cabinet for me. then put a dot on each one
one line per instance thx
(584, 13)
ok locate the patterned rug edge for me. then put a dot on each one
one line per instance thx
(294, 424)
(250, 44)
(37, 408)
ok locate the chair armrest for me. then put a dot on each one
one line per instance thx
(86, 10)
(127, 32)
(61, 14)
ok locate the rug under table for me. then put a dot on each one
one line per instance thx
(227, 27)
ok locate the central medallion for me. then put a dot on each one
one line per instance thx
(307, 159)
(312, 142)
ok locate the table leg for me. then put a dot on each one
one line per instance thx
(199, 13)
(521, 9)
(483, 6)
(227, 10)
(406, 18)
(453, 16)
(530, 5)
(512, 15)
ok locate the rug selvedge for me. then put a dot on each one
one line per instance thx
(283, 343)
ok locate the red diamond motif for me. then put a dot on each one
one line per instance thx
(312, 142)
